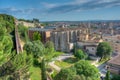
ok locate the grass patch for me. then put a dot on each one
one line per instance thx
(67, 62)
(56, 54)
(103, 61)
(35, 73)
(71, 60)
(62, 64)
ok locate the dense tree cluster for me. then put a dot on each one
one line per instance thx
(88, 70)
(66, 74)
(7, 22)
(6, 43)
(17, 67)
(42, 53)
(107, 77)
(36, 48)
(82, 70)
(12, 66)
(23, 32)
(36, 36)
(116, 77)
(31, 21)
(79, 54)
(104, 50)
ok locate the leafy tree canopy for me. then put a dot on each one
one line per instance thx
(36, 36)
(107, 77)
(66, 74)
(8, 22)
(80, 54)
(49, 47)
(36, 48)
(17, 68)
(104, 50)
(88, 70)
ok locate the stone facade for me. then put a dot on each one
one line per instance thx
(45, 34)
(114, 41)
(63, 38)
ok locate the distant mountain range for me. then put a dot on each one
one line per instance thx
(84, 21)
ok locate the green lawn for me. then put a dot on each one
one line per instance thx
(103, 61)
(71, 60)
(62, 64)
(66, 63)
(36, 73)
(57, 53)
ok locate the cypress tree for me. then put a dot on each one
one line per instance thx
(43, 70)
(107, 77)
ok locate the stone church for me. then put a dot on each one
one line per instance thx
(62, 37)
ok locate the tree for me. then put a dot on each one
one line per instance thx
(85, 68)
(12, 66)
(17, 68)
(66, 74)
(78, 77)
(104, 50)
(82, 77)
(36, 36)
(49, 47)
(36, 48)
(8, 22)
(49, 51)
(80, 54)
(3, 31)
(107, 77)
(23, 32)
(74, 48)
(6, 45)
(115, 77)
(43, 70)
(39, 50)
(80, 71)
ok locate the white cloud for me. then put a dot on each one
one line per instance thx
(49, 5)
(79, 5)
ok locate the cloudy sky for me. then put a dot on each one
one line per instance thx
(58, 10)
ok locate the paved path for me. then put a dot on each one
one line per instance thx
(64, 56)
(101, 68)
(17, 39)
(54, 66)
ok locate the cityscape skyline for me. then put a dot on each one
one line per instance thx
(62, 10)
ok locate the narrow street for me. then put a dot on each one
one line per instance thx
(101, 68)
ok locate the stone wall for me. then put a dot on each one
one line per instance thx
(64, 40)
